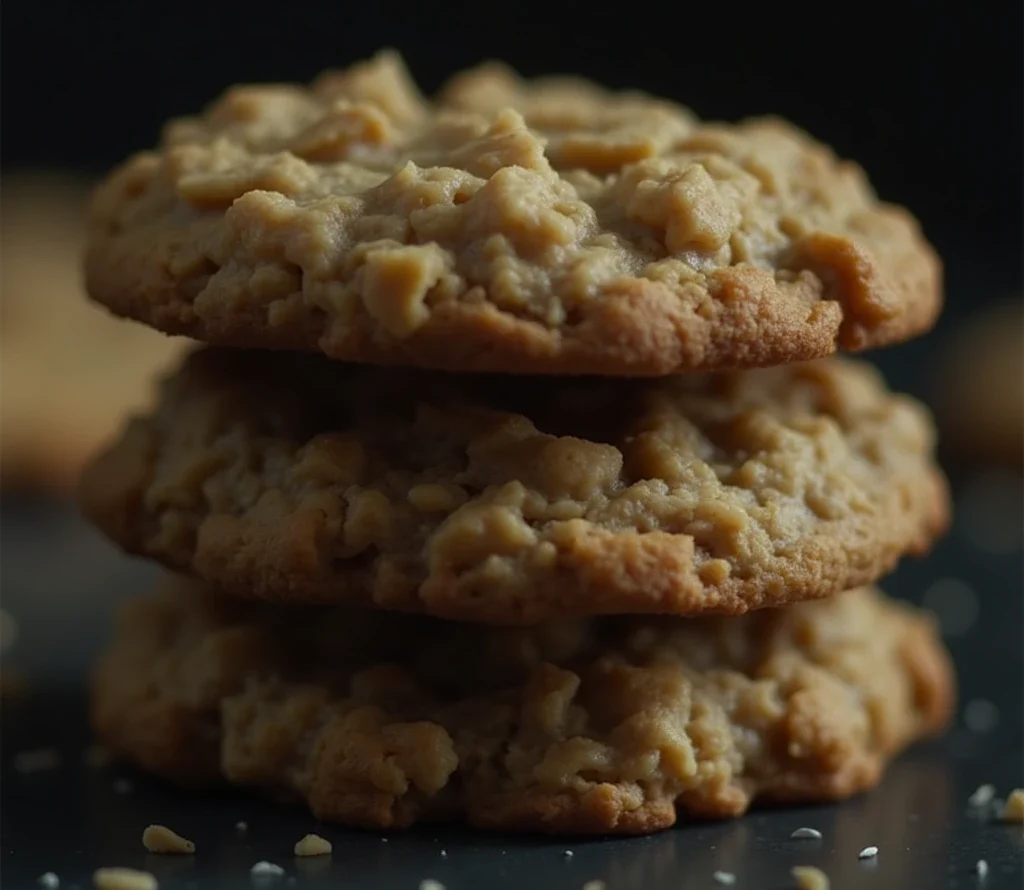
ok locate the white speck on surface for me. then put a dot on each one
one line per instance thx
(241, 826)
(431, 884)
(444, 854)
(980, 715)
(982, 796)
(806, 834)
(264, 869)
(595, 885)
(122, 786)
(568, 854)
(954, 603)
(37, 760)
(313, 845)
(383, 840)
(49, 880)
(868, 853)
(981, 868)
(725, 878)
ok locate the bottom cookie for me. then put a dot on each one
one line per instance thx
(611, 725)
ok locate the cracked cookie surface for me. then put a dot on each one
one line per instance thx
(544, 226)
(577, 727)
(507, 500)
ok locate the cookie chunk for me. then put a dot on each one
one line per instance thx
(508, 500)
(544, 226)
(576, 727)
(69, 372)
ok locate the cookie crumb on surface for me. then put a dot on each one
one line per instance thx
(123, 879)
(241, 826)
(313, 845)
(264, 869)
(868, 853)
(725, 878)
(49, 880)
(160, 839)
(981, 868)
(1013, 811)
(431, 884)
(982, 796)
(806, 834)
(568, 854)
(37, 760)
(444, 854)
(595, 885)
(808, 877)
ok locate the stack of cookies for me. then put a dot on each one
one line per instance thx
(512, 485)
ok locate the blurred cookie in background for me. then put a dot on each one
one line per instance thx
(68, 371)
(979, 397)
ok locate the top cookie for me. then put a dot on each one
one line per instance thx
(543, 226)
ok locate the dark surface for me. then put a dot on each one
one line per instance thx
(60, 583)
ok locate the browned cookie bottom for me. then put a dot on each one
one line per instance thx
(580, 727)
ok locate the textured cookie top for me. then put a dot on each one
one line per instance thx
(544, 226)
(581, 726)
(506, 499)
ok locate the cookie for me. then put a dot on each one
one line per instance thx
(579, 727)
(544, 226)
(980, 386)
(69, 372)
(508, 500)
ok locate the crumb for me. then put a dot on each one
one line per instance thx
(313, 845)
(981, 868)
(808, 877)
(383, 840)
(160, 839)
(241, 826)
(868, 853)
(444, 854)
(568, 854)
(806, 834)
(96, 756)
(123, 879)
(37, 760)
(264, 869)
(595, 885)
(725, 878)
(431, 884)
(982, 796)
(980, 715)
(49, 880)
(122, 786)
(1014, 809)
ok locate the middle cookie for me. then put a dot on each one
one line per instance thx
(518, 500)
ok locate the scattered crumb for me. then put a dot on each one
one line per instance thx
(383, 840)
(49, 880)
(568, 854)
(982, 796)
(980, 715)
(241, 826)
(264, 869)
(725, 878)
(595, 885)
(37, 760)
(431, 884)
(868, 853)
(313, 845)
(806, 834)
(1014, 809)
(123, 879)
(444, 854)
(96, 756)
(160, 839)
(122, 786)
(808, 877)
(981, 868)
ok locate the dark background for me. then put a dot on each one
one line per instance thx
(928, 97)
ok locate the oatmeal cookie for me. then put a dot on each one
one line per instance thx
(69, 372)
(503, 499)
(544, 226)
(578, 727)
